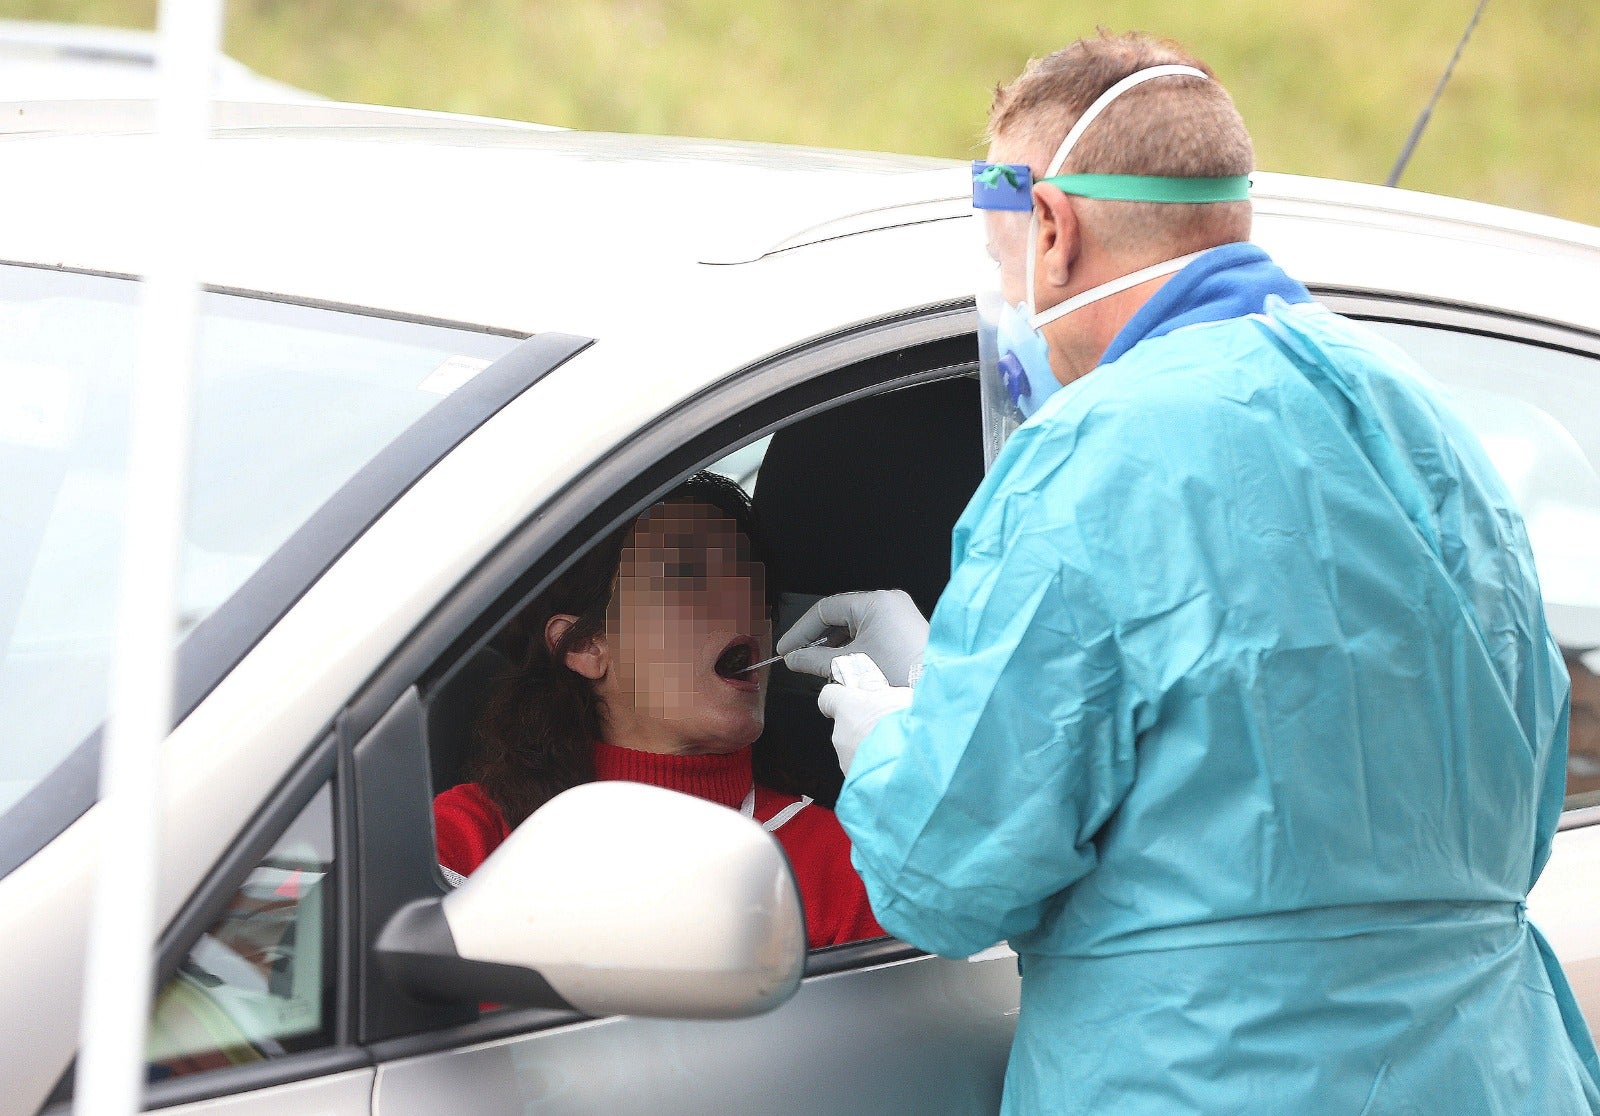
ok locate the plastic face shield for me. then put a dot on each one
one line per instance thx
(1002, 197)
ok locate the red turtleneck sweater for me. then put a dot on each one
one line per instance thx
(470, 827)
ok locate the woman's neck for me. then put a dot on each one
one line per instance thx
(650, 734)
(717, 777)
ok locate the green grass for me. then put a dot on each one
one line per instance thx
(1329, 87)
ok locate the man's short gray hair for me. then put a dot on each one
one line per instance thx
(1184, 127)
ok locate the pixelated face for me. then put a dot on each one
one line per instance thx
(688, 614)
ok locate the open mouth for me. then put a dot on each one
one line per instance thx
(735, 659)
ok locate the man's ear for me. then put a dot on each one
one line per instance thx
(1059, 242)
(591, 660)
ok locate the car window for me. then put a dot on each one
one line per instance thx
(483, 705)
(259, 983)
(1537, 411)
(436, 692)
(290, 403)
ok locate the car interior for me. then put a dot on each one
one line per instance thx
(860, 497)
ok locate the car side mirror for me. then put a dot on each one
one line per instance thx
(614, 898)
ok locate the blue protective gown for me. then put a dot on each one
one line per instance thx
(1240, 720)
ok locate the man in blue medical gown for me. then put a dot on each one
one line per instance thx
(1239, 718)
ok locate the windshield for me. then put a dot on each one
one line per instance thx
(290, 402)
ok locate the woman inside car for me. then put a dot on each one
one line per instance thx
(631, 665)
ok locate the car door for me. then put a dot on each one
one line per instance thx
(876, 1026)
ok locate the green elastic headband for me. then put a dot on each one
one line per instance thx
(1151, 188)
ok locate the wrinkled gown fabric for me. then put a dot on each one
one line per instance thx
(1240, 720)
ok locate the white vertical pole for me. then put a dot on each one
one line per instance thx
(119, 966)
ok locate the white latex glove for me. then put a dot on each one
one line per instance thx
(883, 625)
(858, 698)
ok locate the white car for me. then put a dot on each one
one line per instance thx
(439, 357)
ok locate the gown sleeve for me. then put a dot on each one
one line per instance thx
(971, 809)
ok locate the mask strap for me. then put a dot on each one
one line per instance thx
(1138, 77)
(1115, 286)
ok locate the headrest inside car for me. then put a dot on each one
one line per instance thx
(865, 496)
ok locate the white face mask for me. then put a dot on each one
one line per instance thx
(1038, 319)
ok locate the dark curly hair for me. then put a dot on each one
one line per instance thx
(536, 734)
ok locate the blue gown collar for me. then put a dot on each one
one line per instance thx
(1229, 281)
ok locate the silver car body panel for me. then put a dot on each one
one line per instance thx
(927, 1035)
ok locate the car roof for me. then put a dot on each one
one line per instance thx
(480, 221)
(530, 228)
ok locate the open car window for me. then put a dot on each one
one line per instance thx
(830, 495)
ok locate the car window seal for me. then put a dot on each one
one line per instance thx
(1581, 818)
(213, 1084)
(489, 1027)
(296, 300)
(347, 887)
(51, 805)
(1485, 321)
(859, 955)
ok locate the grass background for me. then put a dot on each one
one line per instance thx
(1328, 87)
